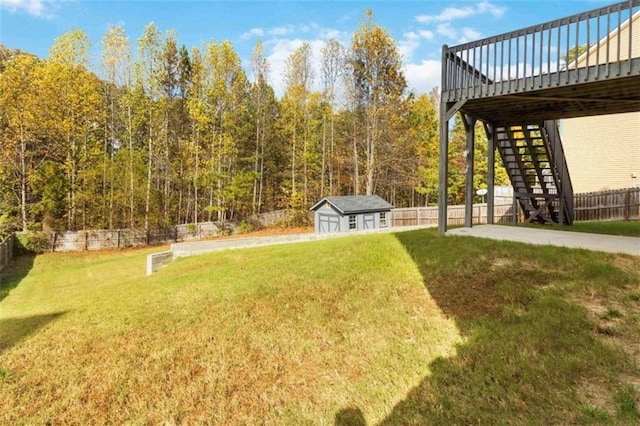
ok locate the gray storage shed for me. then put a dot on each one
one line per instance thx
(351, 213)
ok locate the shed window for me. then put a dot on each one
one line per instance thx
(353, 222)
(383, 219)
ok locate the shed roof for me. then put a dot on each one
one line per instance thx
(350, 204)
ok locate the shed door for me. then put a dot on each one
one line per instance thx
(369, 221)
(329, 223)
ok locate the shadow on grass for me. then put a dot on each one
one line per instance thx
(13, 330)
(15, 273)
(350, 417)
(528, 350)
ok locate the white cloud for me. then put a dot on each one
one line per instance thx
(456, 13)
(447, 15)
(424, 76)
(466, 34)
(495, 11)
(282, 31)
(285, 30)
(411, 42)
(32, 7)
(411, 36)
(253, 32)
(469, 34)
(447, 30)
(426, 34)
(407, 46)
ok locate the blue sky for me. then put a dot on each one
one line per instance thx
(419, 27)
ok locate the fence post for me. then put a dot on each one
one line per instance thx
(53, 241)
(627, 204)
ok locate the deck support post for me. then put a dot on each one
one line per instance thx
(447, 111)
(470, 128)
(491, 167)
(443, 169)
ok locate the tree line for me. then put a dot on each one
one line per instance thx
(172, 135)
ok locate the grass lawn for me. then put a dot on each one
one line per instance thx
(629, 228)
(408, 328)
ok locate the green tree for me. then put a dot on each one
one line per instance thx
(72, 98)
(333, 56)
(226, 99)
(263, 109)
(200, 122)
(19, 130)
(298, 78)
(149, 87)
(379, 85)
(116, 61)
(424, 130)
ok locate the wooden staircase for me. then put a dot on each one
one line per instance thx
(535, 163)
(514, 83)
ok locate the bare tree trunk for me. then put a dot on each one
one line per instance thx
(293, 161)
(254, 203)
(131, 184)
(196, 202)
(23, 179)
(372, 130)
(210, 212)
(304, 160)
(219, 181)
(331, 155)
(261, 172)
(324, 153)
(149, 176)
(180, 192)
(356, 173)
(72, 189)
(167, 169)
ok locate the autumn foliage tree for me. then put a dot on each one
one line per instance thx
(379, 86)
(169, 134)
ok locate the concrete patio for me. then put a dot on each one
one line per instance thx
(596, 242)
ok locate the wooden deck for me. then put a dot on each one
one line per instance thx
(528, 75)
(566, 94)
(583, 65)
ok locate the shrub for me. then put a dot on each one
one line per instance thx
(9, 222)
(297, 217)
(248, 225)
(225, 228)
(33, 242)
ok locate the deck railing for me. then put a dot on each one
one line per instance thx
(582, 47)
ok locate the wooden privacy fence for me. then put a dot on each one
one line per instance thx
(121, 238)
(412, 216)
(6, 251)
(619, 204)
